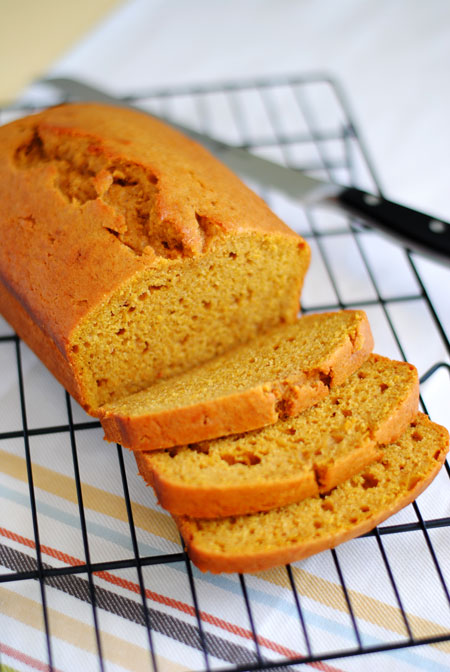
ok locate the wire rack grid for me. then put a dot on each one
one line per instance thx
(93, 574)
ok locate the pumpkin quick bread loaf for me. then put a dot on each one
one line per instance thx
(130, 254)
(293, 459)
(264, 540)
(277, 375)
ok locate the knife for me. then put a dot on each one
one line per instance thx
(415, 230)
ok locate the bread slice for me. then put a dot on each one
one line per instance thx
(264, 540)
(278, 374)
(293, 459)
(130, 254)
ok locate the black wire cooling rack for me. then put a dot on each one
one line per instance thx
(306, 122)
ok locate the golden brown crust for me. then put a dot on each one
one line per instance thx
(248, 408)
(91, 260)
(68, 243)
(331, 474)
(254, 561)
(25, 327)
(228, 500)
(208, 485)
(240, 412)
(406, 409)
(274, 558)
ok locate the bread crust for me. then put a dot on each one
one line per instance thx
(238, 412)
(319, 475)
(63, 254)
(44, 347)
(247, 409)
(44, 212)
(219, 502)
(216, 562)
(330, 474)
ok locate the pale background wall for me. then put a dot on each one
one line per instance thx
(34, 33)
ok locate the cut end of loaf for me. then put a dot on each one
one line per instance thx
(170, 319)
(153, 256)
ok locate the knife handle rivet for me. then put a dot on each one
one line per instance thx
(436, 226)
(371, 199)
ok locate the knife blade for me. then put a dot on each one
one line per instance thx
(415, 230)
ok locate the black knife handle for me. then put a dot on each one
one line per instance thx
(417, 231)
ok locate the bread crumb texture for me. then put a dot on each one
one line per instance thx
(144, 255)
(263, 540)
(278, 374)
(293, 458)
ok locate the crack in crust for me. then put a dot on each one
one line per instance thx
(123, 196)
